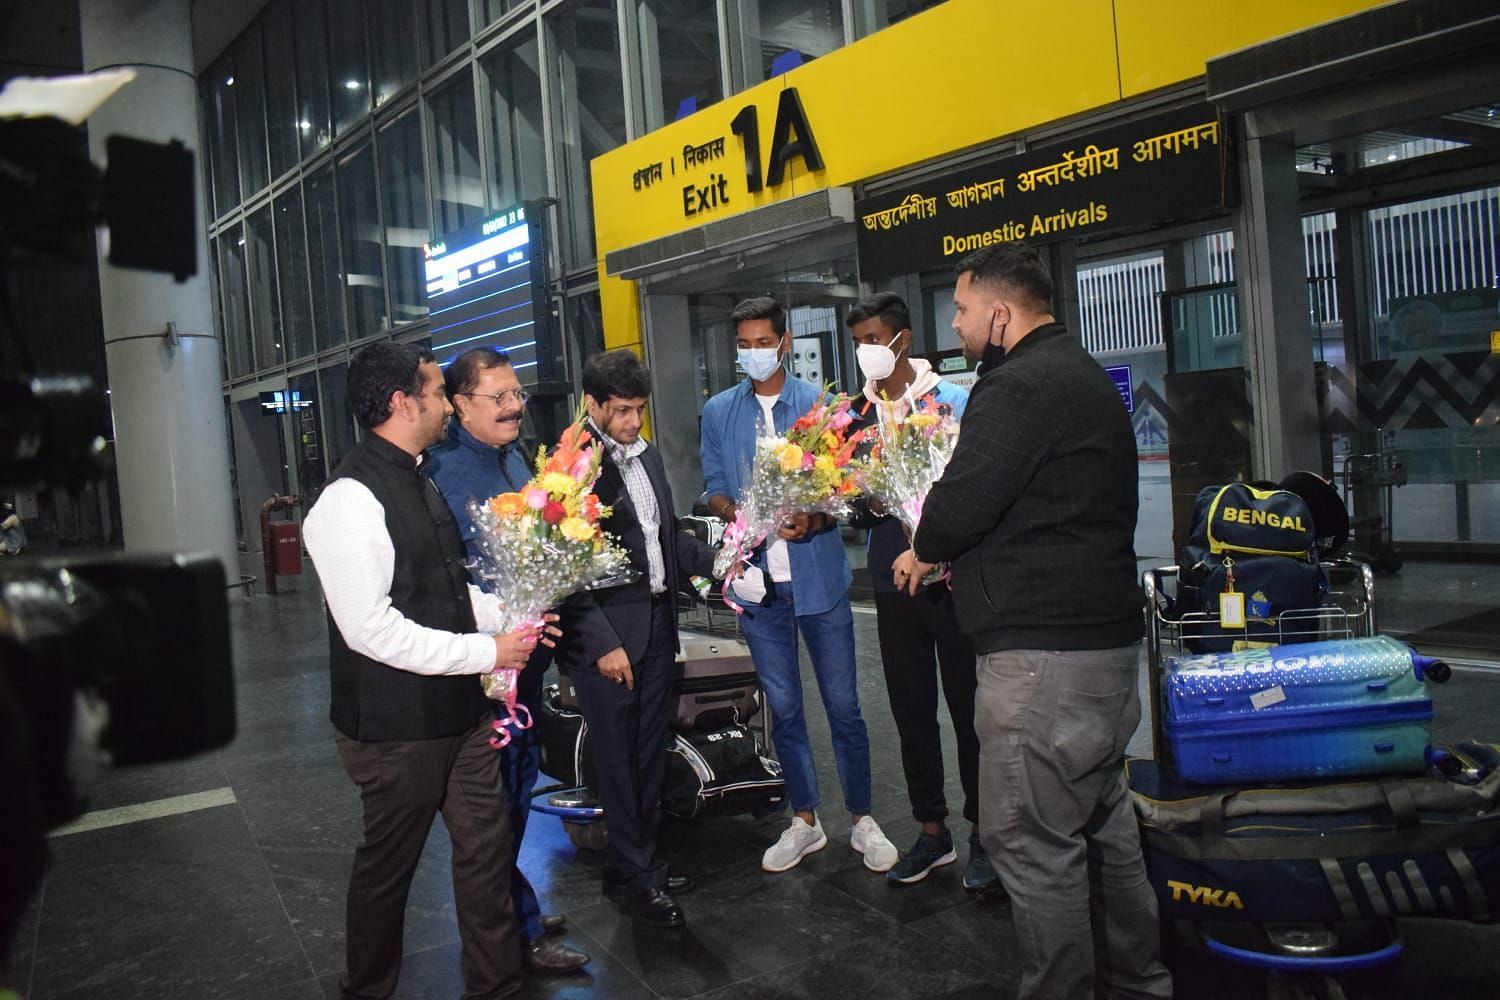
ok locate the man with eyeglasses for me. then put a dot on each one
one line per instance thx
(406, 639)
(480, 458)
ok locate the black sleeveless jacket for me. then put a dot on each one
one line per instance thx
(370, 700)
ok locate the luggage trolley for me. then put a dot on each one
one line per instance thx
(1309, 952)
(717, 687)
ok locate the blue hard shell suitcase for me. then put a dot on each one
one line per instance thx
(1302, 710)
(1321, 852)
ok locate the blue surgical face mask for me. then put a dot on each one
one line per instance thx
(760, 363)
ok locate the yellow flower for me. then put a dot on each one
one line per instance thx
(922, 420)
(576, 529)
(791, 458)
(559, 484)
(824, 464)
(829, 441)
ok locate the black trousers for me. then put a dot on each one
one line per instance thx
(403, 785)
(629, 730)
(919, 640)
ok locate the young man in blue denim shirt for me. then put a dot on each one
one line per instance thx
(482, 458)
(808, 592)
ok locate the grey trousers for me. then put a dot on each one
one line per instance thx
(1055, 817)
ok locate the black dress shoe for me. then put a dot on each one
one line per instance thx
(553, 923)
(550, 957)
(616, 883)
(656, 907)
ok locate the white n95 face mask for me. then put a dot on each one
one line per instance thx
(876, 361)
(760, 363)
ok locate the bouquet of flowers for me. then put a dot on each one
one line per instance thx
(542, 543)
(809, 469)
(915, 440)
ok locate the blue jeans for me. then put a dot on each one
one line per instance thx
(520, 763)
(771, 633)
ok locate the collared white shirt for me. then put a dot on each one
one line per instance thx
(352, 551)
(627, 458)
(778, 559)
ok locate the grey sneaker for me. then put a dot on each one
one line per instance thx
(927, 853)
(980, 875)
(797, 841)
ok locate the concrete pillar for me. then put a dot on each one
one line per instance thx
(170, 443)
(1273, 305)
(674, 394)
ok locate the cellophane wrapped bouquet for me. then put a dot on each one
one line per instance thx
(915, 439)
(543, 543)
(809, 469)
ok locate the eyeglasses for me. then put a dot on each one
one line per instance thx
(519, 395)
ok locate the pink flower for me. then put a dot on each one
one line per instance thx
(841, 419)
(535, 497)
(807, 462)
(582, 464)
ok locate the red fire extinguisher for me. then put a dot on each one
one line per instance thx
(280, 541)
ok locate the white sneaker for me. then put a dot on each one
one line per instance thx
(866, 838)
(797, 841)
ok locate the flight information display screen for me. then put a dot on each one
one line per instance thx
(487, 287)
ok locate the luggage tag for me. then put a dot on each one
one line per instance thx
(1231, 602)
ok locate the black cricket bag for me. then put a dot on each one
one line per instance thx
(1257, 541)
(1322, 852)
(721, 772)
(567, 754)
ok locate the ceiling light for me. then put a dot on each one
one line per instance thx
(1390, 157)
(351, 84)
(229, 81)
(304, 125)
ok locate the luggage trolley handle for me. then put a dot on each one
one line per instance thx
(1151, 581)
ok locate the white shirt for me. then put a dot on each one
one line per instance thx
(778, 560)
(627, 458)
(352, 551)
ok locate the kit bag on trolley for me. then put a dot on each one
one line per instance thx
(1251, 552)
(1323, 852)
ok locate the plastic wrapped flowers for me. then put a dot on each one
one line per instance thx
(915, 439)
(809, 469)
(543, 543)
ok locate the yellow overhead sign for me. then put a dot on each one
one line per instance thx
(958, 75)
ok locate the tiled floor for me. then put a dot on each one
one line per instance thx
(244, 901)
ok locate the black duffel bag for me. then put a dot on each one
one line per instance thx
(1322, 852)
(721, 772)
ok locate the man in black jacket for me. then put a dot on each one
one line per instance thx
(621, 646)
(1036, 511)
(405, 644)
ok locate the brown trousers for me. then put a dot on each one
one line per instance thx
(403, 785)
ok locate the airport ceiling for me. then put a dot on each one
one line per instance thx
(40, 37)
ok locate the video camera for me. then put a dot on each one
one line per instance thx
(124, 658)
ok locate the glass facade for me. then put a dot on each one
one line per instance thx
(517, 131)
(403, 190)
(359, 231)
(343, 135)
(589, 98)
(457, 184)
(349, 68)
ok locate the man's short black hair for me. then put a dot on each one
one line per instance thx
(463, 374)
(1015, 267)
(760, 307)
(377, 371)
(888, 307)
(616, 374)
